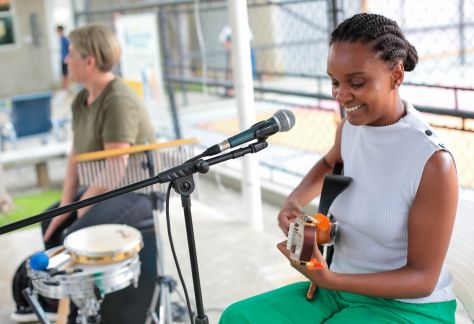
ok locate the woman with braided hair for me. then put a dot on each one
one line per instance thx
(396, 217)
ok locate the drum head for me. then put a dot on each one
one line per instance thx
(106, 240)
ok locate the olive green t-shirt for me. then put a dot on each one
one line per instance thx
(117, 115)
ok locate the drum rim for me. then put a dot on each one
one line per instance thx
(116, 257)
(133, 245)
(114, 278)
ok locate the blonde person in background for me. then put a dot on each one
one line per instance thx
(106, 114)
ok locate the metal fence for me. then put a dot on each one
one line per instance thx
(289, 45)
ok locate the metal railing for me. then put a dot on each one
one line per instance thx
(289, 49)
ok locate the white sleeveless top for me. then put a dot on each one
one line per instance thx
(386, 164)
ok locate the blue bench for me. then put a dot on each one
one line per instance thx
(30, 115)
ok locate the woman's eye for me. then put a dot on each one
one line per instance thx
(357, 83)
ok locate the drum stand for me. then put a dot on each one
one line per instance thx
(88, 309)
(164, 285)
(32, 298)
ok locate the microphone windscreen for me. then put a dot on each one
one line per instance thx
(285, 118)
(39, 261)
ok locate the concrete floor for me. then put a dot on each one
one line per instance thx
(235, 261)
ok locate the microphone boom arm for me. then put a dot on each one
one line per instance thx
(180, 171)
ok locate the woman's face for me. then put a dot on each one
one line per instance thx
(364, 84)
(76, 65)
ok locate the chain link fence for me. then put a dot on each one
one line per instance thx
(289, 45)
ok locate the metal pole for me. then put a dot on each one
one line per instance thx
(462, 36)
(166, 71)
(183, 50)
(74, 12)
(243, 86)
(333, 11)
(201, 317)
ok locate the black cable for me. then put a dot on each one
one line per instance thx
(170, 237)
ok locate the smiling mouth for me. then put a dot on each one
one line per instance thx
(352, 109)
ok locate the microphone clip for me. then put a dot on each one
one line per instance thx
(265, 132)
(258, 146)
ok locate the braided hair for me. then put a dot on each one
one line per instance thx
(385, 35)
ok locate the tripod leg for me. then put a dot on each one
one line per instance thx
(161, 293)
(151, 315)
(32, 300)
(162, 290)
(165, 304)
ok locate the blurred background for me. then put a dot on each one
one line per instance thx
(177, 56)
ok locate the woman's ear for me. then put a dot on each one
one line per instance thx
(90, 61)
(398, 73)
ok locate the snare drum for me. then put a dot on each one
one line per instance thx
(96, 260)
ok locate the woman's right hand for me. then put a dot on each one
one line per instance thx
(288, 213)
(54, 225)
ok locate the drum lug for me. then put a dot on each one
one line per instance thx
(97, 293)
(52, 283)
(88, 312)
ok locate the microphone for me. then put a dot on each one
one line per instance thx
(281, 121)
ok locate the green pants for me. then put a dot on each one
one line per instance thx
(289, 305)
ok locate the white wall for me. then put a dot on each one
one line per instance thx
(57, 12)
(26, 67)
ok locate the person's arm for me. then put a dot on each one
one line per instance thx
(70, 185)
(430, 225)
(311, 185)
(71, 180)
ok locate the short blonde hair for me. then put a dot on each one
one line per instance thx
(99, 42)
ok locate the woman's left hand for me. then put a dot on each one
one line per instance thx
(322, 277)
(82, 211)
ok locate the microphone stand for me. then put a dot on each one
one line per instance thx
(182, 182)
